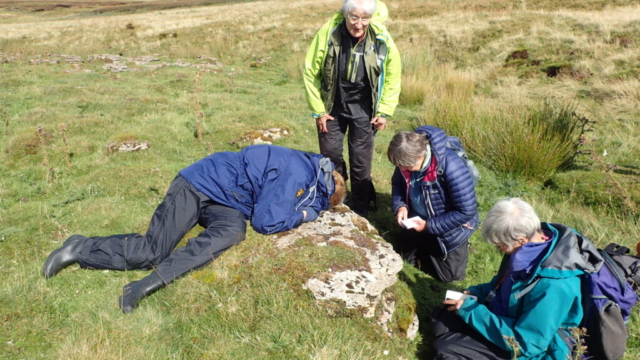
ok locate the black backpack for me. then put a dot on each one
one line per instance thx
(629, 264)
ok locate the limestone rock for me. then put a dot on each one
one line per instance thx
(118, 63)
(358, 289)
(262, 136)
(126, 146)
(412, 331)
(115, 67)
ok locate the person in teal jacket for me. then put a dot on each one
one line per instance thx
(530, 306)
(352, 77)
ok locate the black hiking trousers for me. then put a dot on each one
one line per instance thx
(360, 146)
(455, 340)
(423, 251)
(182, 208)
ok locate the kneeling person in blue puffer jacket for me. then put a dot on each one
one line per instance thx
(276, 188)
(432, 184)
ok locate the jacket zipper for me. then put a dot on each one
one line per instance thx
(427, 197)
(354, 63)
(312, 190)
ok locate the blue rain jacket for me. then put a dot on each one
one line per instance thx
(270, 184)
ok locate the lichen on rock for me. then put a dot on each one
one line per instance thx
(360, 288)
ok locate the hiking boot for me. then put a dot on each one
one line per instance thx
(135, 291)
(67, 254)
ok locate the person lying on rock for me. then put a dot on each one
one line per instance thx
(276, 188)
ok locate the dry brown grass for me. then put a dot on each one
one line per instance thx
(596, 47)
(245, 17)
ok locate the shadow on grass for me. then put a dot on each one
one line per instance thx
(427, 292)
(384, 220)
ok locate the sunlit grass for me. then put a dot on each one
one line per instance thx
(457, 74)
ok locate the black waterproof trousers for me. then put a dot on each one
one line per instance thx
(455, 340)
(360, 146)
(423, 251)
(182, 208)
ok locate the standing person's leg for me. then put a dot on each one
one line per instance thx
(360, 158)
(224, 227)
(173, 218)
(331, 144)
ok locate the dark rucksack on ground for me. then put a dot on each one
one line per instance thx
(455, 144)
(629, 264)
(607, 299)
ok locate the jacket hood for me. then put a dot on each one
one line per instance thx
(571, 254)
(382, 13)
(437, 140)
(326, 166)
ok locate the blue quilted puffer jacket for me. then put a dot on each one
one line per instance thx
(450, 199)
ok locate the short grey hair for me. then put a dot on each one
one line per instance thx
(368, 6)
(509, 219)
(406, 147)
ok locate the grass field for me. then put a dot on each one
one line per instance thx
(79, 78)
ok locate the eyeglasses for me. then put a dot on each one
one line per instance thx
(354, 20)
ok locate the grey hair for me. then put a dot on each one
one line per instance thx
(368, 6)
(406, 147)
(509, 219)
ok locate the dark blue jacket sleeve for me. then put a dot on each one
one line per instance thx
(458, 185)
(398, 191)
(312, 214)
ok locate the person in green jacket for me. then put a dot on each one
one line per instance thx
(352, 80)
(529, 307)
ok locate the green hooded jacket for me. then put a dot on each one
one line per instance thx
(383, 66)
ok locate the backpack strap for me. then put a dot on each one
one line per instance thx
(627, 263)
(569, 340)
(615, 269)
(526, 290)
(615, 249)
